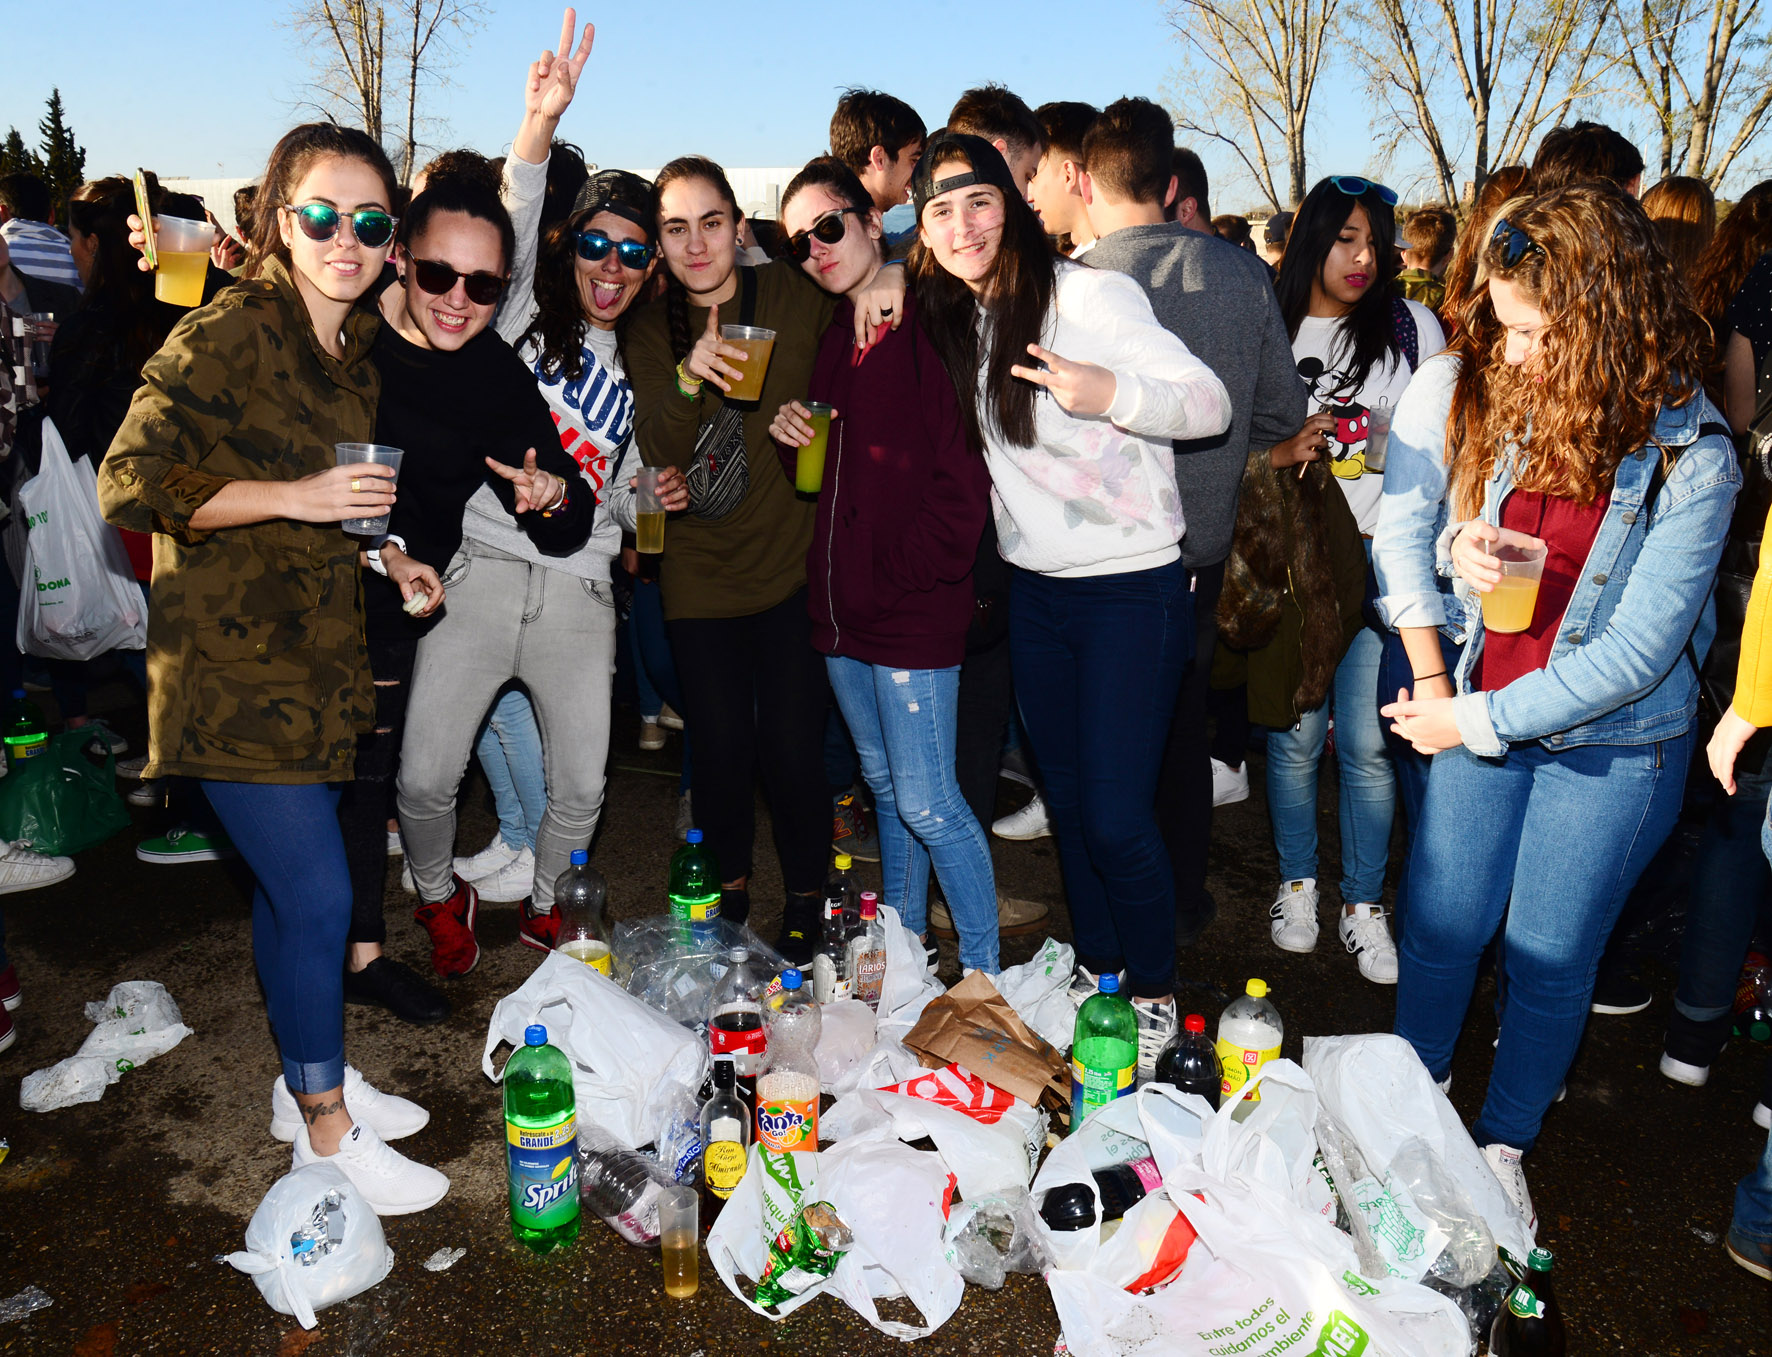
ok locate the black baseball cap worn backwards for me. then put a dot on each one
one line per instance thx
(618, 191)
(988, 167)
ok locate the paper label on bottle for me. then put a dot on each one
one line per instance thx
(787, 1112)
(1093, 1088)
(723, 1167)
(747, 1046)
(1241, 1064)
(543, 1172)
(870, 976)
(695, 910)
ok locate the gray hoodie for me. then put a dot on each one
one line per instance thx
(1218, 301)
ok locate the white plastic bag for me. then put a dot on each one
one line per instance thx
(77, 594)
(1038, 992)
(984, 1157)
(137, 1021)
(908, 986)
(1378, 1089)
(845, 1039)
(1276, 1144)
(313, 1242)
(888, 1063)
(628, 1059)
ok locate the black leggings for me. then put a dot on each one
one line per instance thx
(366, 804)
(755, 693)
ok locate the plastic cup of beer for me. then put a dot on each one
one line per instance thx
(1378, 435)
(1508, 606)
(679, 1230)
(758, 344)
(378, 455)
(649, 511)
(182, 248)
(809, 469)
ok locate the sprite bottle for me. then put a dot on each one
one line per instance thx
(541, 1134)
(694, 890)
(27, 733)
(1104, 1050)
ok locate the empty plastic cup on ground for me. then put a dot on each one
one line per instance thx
(758, 343)
(679, 1231)
(377, 454)
(182, 248)
(1508, 607)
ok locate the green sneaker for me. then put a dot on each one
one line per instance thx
(186, 845)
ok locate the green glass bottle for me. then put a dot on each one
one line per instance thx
(1104, 1051)
(26, 732)
(541, 1134)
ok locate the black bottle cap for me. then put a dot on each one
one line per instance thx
(725, 1073)
(1069, 1207)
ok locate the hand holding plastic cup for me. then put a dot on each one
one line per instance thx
(352, 454)
(758, 344)
(809, 466)
(679, 1238)
(181, 248)
(1508, 606)
(649, 510)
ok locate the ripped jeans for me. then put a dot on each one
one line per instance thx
(902, 721)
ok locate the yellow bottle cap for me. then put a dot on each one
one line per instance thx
(1257, 988)
(844, 862)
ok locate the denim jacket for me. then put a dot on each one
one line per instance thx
(1617, 673)
(1411, 591)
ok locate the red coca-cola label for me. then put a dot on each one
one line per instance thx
(957, 1087)
(739, 1033)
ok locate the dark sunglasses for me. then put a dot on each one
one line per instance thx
(828, 229)
(1513, 243)
(594, 247)
(319, 221)
(438, 279)
(1355, 186)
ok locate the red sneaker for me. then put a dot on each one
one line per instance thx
(537, 930)
(454, 949)
(9, 993)
(7, 1034)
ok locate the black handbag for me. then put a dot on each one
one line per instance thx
(720, 472)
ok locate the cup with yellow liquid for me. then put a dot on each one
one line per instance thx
(649, 511)
(679, 1238)
(758, 343)
(181, 249)
(1508, 606)
(809, 466)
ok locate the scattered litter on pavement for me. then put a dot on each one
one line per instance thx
(444, 1259)
(28, 1301)
(1707, 1236)
(137, 1021)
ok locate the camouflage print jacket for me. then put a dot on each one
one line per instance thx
(256, 665)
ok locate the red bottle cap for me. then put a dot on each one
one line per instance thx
(1194, 1023)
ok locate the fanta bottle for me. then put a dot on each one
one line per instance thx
(787, 1091)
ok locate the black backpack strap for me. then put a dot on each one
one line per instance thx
(1408, 334)
(747, 295)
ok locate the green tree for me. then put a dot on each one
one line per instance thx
(16, 157)
(64, 158)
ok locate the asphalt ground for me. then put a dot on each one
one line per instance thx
(118, 1209)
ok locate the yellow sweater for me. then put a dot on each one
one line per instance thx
(1753, 680)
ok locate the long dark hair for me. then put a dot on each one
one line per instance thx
(828, 172)
(1368, 333)
(118, 296)
(676, 295)
(291, 159)
(1016, 303)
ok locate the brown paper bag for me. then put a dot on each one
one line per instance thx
(974, 1026)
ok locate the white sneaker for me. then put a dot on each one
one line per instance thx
(392, 1116)
(1030, 822)
(651, 735)
(487, 861)
(1156, 1024)
(1366, 934)
(23, 870)
(511, 882)
(1229, 785)
(1763, 1116)
(396, 849)
(407, 884)
(1294, 912)
(1682, 1073)
(390, 1182)
(1085, 982)
(1504, 1162)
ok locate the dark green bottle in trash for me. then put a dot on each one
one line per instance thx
(541, 1134)
(27, 733)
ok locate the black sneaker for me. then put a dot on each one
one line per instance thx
(799, 930)
(385, 983)
(931, 953)
(1621, 993)
(735, 905)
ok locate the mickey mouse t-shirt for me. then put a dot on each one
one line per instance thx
(1322, 351)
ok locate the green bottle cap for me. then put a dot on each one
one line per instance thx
(1539, 1260)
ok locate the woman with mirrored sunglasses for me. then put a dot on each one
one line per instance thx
(519, 613)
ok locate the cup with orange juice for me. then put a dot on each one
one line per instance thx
(758, 343)
(1508, 606)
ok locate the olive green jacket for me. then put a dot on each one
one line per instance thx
(256, 664)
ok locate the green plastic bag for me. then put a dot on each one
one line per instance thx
(61, 801)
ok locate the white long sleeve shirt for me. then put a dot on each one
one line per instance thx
(1096, 495)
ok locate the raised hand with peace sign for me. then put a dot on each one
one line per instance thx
(1081, 388)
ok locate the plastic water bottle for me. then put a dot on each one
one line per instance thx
(581, 897)
(735, 1019)
(541, 1133)
(620, 1186)
(787, 1092)
(27, 733)
(1190, 1063)
(1104, 1050)
(1249, 1035)
(867, 953)
(830, 967)
(725, 1139)
(694, 889)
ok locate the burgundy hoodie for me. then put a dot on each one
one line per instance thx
(889, 572)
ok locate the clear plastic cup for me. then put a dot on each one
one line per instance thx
(758, 344)
(1378, 435)
(679, 1238)
(375, 454)
(1508, 606)
(181, 249)
(649, 511)
(809, 466)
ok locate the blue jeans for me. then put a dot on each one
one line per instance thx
(902, 721)
(1368, 785)
(1753, 1201)
(1411, 766)
(1565, 835)
(301, 912)
(1098, 662)
(1730, 883)
(509, 749)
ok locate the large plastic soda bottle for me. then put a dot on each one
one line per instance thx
(735, 1019)
(1190, 1063)
(1249, 1035)
(620, 1186)
(787, 1092)
(694, 889)
(867, 953)
(1104, 1050)
(581, 897)
(541, 1134)
(27, 733)
(725, 1139)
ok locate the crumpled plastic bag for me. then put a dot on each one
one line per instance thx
(846, 1038)
(990, 1236)
(888, 1063)
(1037, 991)
(908, 987)
(313, 1242)
(135, 1023)
(983, 1156)
(673, 966)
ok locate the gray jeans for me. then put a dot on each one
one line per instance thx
(507, 619)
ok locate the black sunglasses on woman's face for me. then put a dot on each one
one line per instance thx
(438, 279)
(828, 229)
